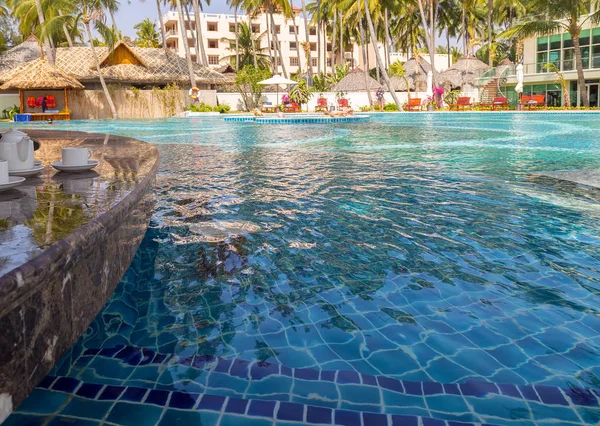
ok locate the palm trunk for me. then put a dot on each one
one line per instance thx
(277, 46)
(333, 41)
(237, 39)
(384, 73)
(324, 34)
(306, 33)
(364, 56)
(66, 31)
(342, 60)
(252, 41)
(432, 27)
(111, 104)
(114, 22)
(296, 29)
(202, 52)
(580, 75)
(48, 45)
(319, 37)
(273, 59)
(489, 25)
(162, 26)
(464, 30)
(388, 39)
(448, 47)
(186, 46)
(194, 35)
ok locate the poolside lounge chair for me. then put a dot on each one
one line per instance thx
(268, 107)
(291, 107)
(343, 103)
(414, 104)
(321, 105)
(533, 102)
(497, 104)
(462, 103)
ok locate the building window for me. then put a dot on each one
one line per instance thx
(231, 28)
(274, 45)
(213, 44)
(294, 62)
(293, 29)
(313, 47)
(313, 62)
(255, 28)
(278, 29)
(213, 59)
(212, 26)
(329, 47)
(293, 45)
(312, 31)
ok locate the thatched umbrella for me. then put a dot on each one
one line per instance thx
(464, 72)
(416, 73)
(40, 75)
(355, 82)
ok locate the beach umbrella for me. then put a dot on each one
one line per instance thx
(519, 87)
(277, 80)
(430, 83)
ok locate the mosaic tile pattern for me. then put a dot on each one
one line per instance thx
(297, 119)
(366, 270)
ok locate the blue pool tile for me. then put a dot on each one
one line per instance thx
(286, 371)
(68, 421)
(347, 418)
(239, 368)
(307, 374)
(20, 419)
(200, 361)
(85, 408)
(478, 389)
(374, 419)
(391, 384)
(428, 421)
(398, 420)
(432, 388)
(261, 408)
(327, 375)
(111, 393)
(211, 402)
(318, 415)
(236, 405)
(147, 356)
(550, 395)
(579, 396)
(130, 355)
(188, 418)
(412, 388)
(183, 401)
(159, 358)
(290, 411)
(186, 361)
(157, 397)
(261, 370)
(509, 390)
(451, 388)
(348, 377)
(369, 380)
(89, 390)
(528, 393)
(66, 384)
(46, 382)
(128, 414)
(223, 365)
(133, 394)
(42, 401)
(91, 351)
(454, 423)
(109, 352)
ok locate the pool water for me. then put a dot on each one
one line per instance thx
(406, 270)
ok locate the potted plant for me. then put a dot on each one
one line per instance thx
(435, 101)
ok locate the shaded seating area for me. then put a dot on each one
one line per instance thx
(39, 81)
(414, 104)
(533, 102)
(462, 104)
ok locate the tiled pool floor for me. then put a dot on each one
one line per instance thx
(386, 273)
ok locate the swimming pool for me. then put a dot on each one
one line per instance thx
(407, 269)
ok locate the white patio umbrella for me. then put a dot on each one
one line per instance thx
(277, 80)
(430, 83)
(519, 87)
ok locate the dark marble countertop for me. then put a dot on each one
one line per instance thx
(48, 215)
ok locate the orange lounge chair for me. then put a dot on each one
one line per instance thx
(533, 102)
(414, 104)
(343, 103)
(291, 107)
(321, 105)
(461, 104)
(268, 107)
(497, 104)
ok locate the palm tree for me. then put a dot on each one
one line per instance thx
(554, 16)
(147, 35)
(429, 27)
(112, 6)
(184, 40)
(384, 74)
(236, 5)
(244, 47)
(161, 23)
(306, 32)
(200, 53)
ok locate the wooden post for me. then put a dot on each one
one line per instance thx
(66, 101)
(21, 100)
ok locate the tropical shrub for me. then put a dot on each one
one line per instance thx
(201, 107)
(452, 97)
(390, 107)
(320, 83)
(365, 108)
(247, 85)
(300, 93)
(222, 108)
(9, 113)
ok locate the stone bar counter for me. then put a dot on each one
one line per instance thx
(66, 241)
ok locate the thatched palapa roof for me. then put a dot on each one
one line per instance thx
(125, 64)
(416, 73)
(355, 82)
(39, 75)
(464, 72)
(27, 51)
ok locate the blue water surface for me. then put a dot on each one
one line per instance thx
(368, 269)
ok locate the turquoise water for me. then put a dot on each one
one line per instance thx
(407, 266)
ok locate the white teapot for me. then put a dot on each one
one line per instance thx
(16, 148)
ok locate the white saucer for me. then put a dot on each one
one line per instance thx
(37, 163)
(27, 173)
(89, 166)
(12, 182)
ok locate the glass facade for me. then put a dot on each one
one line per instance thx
(558, 50)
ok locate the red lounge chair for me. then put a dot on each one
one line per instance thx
(321, 105)
(414, 104)
(461, 104)
(291, 107)
(497, 104)
(343, 103)
(533, 102)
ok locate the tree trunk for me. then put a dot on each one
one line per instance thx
(464, 30)
(183, 31)
(319, 37)
(66, 31)
(252, 41)
(342, 58)
(296, 30)
(384, 73)
(202, 52)
(376, 48)
(333, 41)
(114, 22)
(273, 58)
(448, 47)
(277, 46)
(194, 34)
(580, 75)
(489, 25)
(50, 54)
(364, 56)
(237, 39)
(162, 25)
(428, 29)
(111, 104)
(388, 39)
(307, 35)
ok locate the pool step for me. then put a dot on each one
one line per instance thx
(118, 404)
(346, 390)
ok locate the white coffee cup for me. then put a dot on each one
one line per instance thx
(3, 172)
(76, 156)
